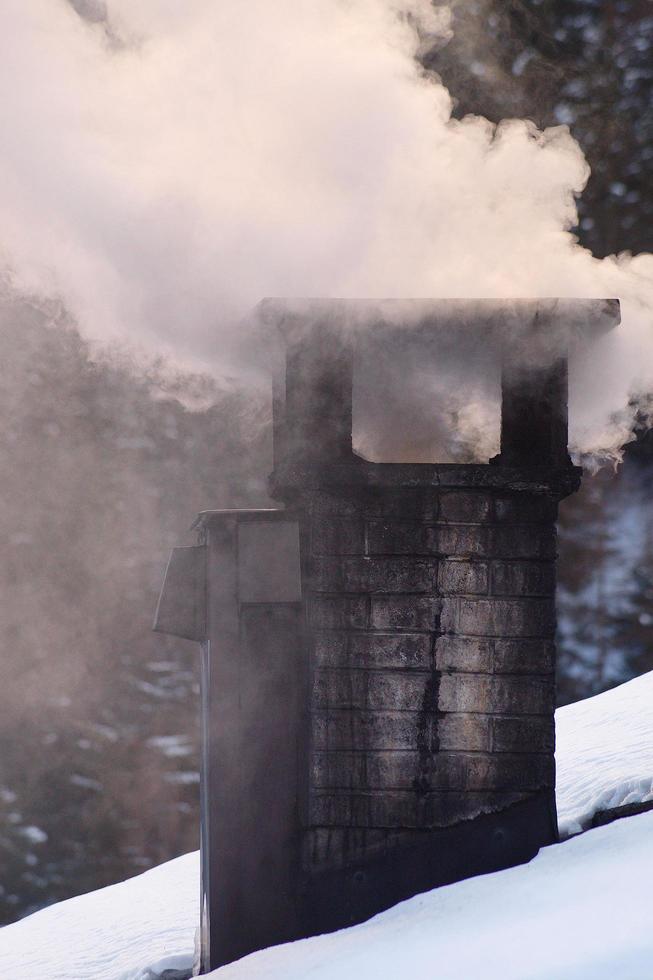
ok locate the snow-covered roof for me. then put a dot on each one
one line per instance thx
(579, 910)
(604, 753)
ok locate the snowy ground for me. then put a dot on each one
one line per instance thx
(579, 910)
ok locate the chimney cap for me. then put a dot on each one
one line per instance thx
(560, 320)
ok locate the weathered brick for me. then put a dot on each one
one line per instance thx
(378, 650)
(503, 771)
(384, 758)
(334, 536)
(404, 612)
(487, 541)
(389, 810)
(496, 695)
(464, 732)
(452, 540)
(320, 728)
(365, 770)
(324, 504)
(470, 654)
(522, 578)
(463, 577)
(441, 809)
(363, 730)
(523, 734)
(404, 808)
(389, 575)
(523, 656)
(397, 538)
(519, 541)
(337, 770)
(465, 508)
(524, 509)
(419, 505)
(461, 540)
(331, 810)
(372, 690)
(360, 730)
(338, 689)
(499, 617)
(330, 650)
(339, 612)
(326, 574)
(460, 771)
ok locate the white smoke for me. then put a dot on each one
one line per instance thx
(166, 164)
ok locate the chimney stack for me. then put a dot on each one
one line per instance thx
(378, 657)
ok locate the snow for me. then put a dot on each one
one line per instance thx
(578, 910)
(131, 931)
(604, 753)
(34, 834)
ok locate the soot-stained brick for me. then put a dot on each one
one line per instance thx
(404, 612)
(463, 578)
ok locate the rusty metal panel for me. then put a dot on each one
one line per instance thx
(181, 610)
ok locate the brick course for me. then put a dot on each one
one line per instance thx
(432, 618)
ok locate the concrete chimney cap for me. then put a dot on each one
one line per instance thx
(559, 320)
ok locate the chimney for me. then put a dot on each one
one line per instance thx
(378, 657)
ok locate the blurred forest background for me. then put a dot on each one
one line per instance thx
(104, 470)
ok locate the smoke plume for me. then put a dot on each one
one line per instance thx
(166, 165)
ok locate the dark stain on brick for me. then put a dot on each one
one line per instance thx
(428, 743)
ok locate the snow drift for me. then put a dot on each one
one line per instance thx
(604, 754)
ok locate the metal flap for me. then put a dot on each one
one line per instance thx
(181, 610)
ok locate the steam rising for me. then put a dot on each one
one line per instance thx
(165, 165)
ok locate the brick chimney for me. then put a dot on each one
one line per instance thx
(379, 656)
